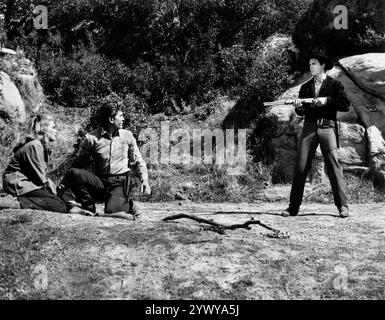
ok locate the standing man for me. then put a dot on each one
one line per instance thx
(320, 127)
(115, 154)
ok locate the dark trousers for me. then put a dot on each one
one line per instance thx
(42, 199)
(312, 135)
(88, 188)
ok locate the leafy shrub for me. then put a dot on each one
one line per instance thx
(175, 53)
(365, 31)
(81, 79)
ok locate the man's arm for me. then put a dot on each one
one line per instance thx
(335, 98)
(300, 108)
(136, 161)
(339, 99)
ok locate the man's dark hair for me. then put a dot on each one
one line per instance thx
(108, 110)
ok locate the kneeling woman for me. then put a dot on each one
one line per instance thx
(25, 180)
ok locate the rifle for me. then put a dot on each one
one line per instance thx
(291, 101)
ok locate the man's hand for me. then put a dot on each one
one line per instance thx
(145, 187)
(298, 106)
(297, 103)
(52, 187)
(319, 102)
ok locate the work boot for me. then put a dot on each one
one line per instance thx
(7, 201)
(289, 212)
(134, 209)
(344, 212)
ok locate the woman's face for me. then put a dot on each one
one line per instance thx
(51, 131)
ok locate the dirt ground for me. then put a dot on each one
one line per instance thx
(54, 256)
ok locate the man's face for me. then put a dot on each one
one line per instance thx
(315, 67)
(118, 120)
(51, 131)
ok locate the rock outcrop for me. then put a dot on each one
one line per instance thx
(362, 129)
(25, 78)
(11, 104)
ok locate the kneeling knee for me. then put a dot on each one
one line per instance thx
(73, 173)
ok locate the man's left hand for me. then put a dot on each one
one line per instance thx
(319, 102)
(51, 187)
(145, 187)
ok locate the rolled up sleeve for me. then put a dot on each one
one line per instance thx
(136, 161)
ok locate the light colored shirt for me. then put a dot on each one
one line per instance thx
(318, 84)
(112, 155)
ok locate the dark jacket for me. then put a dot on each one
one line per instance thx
(26, 171)
(336, 100)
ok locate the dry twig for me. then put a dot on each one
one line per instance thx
(221, 228)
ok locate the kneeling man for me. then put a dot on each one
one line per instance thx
(116, 154)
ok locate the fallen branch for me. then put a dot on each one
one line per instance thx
(221, 228)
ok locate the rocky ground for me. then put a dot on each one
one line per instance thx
(52, 256)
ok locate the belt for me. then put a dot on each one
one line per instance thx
(322, 121)
(110, 175)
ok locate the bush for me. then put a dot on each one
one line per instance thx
(365, 32)
(175, 53)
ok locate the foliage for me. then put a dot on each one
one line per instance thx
(82, 78)
(169, 53)
(365, 28)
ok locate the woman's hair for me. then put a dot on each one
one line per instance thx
(108, 110)
(37, 126)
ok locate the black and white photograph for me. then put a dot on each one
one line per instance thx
(206, 151)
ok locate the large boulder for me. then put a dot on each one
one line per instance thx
(24, 74)
(362, 129)
(11, 104)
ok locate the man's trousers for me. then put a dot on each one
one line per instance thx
(89, 188)
(312, 135)
(42, 199)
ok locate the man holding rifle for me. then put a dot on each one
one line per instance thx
(327, 96)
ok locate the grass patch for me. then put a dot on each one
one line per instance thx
(208, 183)
(359, 189)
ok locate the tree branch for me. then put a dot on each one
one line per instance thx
(221, 228)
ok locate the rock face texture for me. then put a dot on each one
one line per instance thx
(25, 78)
(21, 94)
(362, 129)
(11, 104)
